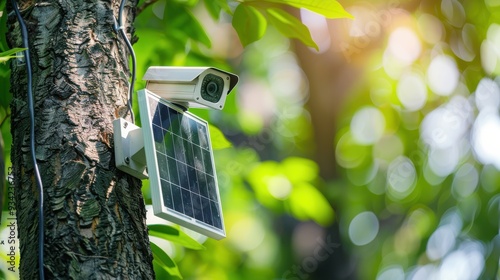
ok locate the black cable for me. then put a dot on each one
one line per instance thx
(132, 54)
(24, 34)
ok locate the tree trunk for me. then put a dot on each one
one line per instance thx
(95, 218)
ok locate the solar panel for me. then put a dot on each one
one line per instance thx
(181, 167)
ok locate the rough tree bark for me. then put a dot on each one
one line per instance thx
(94, 214)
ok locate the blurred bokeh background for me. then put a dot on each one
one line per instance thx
(375, 157)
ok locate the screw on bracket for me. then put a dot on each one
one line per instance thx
(127, 160)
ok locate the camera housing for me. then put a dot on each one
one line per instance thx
(196, 87)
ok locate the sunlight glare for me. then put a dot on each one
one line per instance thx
(395, 272)
(443, 161)
(426, 272)
(441, 242)
(368, 125)
(443, 75)
(412, 92)
(464, 264)
(490, 50)
(465, 181)
(405, 45)
(279, 186)
(486, 136)
(487, 94)
(446, 125)
(363, 228)
(247, 233)
(401, 177)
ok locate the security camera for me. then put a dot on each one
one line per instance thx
(197, 87)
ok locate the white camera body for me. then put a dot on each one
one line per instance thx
(197, 87)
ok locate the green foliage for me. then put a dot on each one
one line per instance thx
(180, 22)
(288, 186)
(250, 16)
(328, 8)
(164, 266)
(418, 189)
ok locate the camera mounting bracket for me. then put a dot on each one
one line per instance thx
(130, 156)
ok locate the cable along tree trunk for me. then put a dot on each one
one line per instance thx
(95, 217)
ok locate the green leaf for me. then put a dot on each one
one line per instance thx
(249, 23)
(306, 202)
(300, 169)
(173, 234)
(4, 59)
(3, 25)
(260, 178)
(190, 3)
(161, 272)
(290, 26)
(180, 22)
(164, 260)
(218, 139)
(214, 7)
(6, 55)
(327, 8)
(4, 70)
(11, 51)
(225, 6)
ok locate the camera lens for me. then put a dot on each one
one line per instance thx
(211, 88)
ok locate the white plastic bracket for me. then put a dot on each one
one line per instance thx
(130, 156)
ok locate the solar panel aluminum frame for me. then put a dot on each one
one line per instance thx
(159, 208)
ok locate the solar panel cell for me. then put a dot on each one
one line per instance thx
(173, 171)
(193, 180)
(167, 194)
(215, 214)
(158, 136)
(177, 198)
(207, 216)
(183, 175)
(163, 166)
(212, 189)
(186, 201)
(207, 160)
